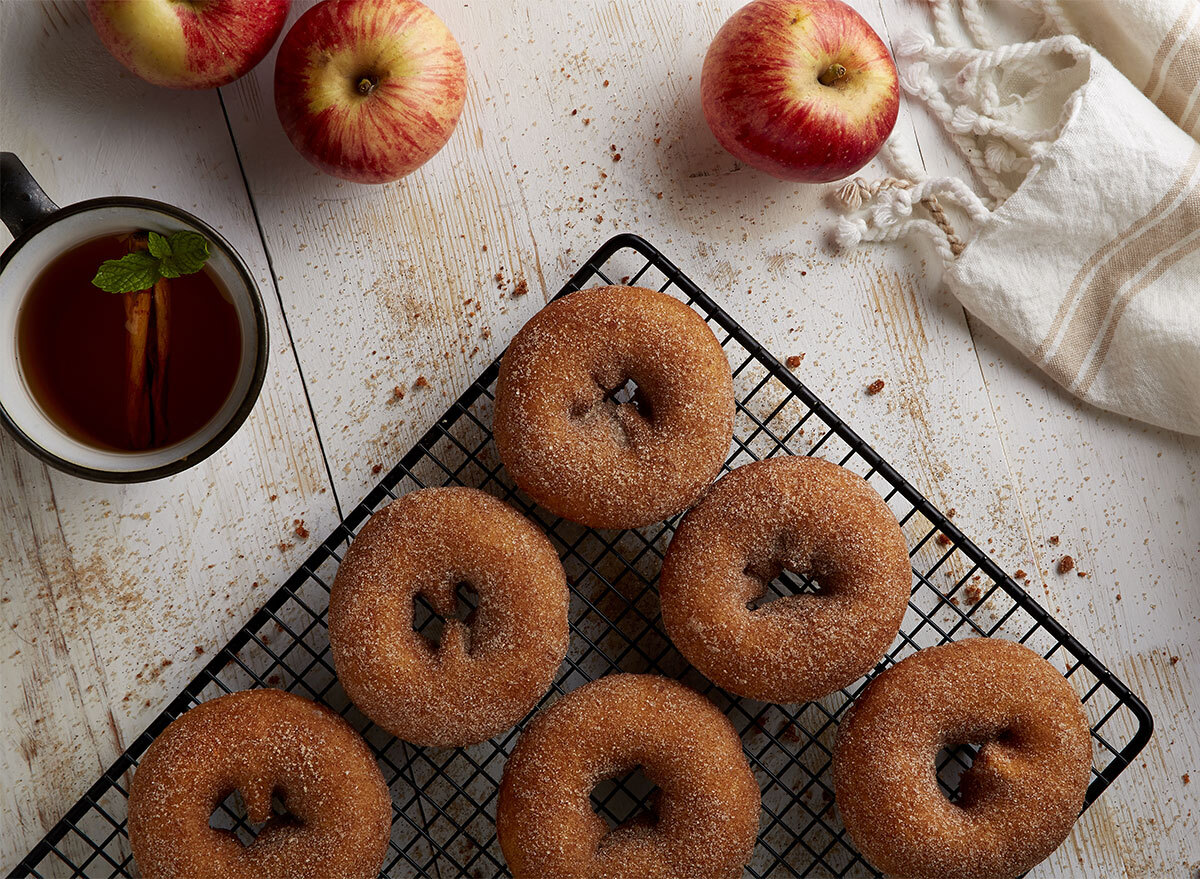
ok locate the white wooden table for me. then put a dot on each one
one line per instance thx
(112, 597)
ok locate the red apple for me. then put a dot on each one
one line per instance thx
(801, 89)
(189, 44)
(369, 90)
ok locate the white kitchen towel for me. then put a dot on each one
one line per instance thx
(1155, 43)
(1079, 241)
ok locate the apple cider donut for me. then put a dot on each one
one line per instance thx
(594, 461)
(800, 514)
(706, 811)
(1021, 795)
(488, 670)
(261, 743)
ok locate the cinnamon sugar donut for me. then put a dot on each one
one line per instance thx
(804, 515)
(589, 459)
(490, 669)
(1021, 795)
(261, 743)
(707, 806)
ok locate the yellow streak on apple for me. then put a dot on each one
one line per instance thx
(848, 96)
(404, 81)
(152, 34)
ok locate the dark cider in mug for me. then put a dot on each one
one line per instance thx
(116, 374)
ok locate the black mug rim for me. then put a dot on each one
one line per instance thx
(262, 346)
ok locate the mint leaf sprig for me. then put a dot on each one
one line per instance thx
(180, 253)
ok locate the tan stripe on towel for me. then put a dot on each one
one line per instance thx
(1182, 76)
(1189, 246)
(1135, 254)
(1157, 66)
(1064, 307)
(1189, 122)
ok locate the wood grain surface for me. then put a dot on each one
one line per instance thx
(582, 119)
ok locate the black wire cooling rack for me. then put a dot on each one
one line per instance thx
(444, 800)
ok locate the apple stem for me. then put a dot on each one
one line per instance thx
(366, 85)
(832, 74)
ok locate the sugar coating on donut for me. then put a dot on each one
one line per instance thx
(589, 459)
(1021, 795)
(801, 514)
(488, 671)
(705, 818)
(260, 743)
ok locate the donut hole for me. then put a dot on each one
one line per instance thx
(970, 765)
(629, 394)
(611, 399)
(431, 625)
(973, 773)
(774, 582)
(952, 763)
(626, 798)
(230, 815)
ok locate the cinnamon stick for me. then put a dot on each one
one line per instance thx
(137, 334)
(158, 361)
(147, 326)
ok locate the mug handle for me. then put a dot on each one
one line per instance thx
(22, 201)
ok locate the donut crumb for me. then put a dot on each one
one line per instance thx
(1066, 564)
(875, 387)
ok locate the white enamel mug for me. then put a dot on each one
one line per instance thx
(42, 231)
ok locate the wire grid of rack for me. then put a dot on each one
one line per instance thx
(444, 800)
